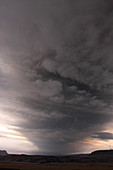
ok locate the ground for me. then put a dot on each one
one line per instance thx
(57, 166)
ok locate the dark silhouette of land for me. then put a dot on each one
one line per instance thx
(102, 153)
(94, 157)
(95, 160)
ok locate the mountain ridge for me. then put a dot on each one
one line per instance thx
(98, 156)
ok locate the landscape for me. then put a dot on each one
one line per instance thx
(100, 159)
(56, 84)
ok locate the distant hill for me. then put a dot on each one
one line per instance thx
(99, 156)
(3, 153)
(102, 153)
(78, 155)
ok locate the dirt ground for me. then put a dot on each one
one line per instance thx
(67, 166)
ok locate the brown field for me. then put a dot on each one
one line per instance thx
(57, 166)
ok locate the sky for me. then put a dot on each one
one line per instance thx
(56, 76)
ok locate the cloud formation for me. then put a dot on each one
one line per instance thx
(56, 72)
(103, 135)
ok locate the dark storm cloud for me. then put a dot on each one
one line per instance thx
(103, 135)
(62, 124)
(56, 67)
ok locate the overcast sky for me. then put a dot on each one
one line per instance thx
(56, 76)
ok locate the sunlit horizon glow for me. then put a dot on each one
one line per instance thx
(9, 135)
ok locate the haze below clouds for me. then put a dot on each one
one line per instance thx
(56, 75)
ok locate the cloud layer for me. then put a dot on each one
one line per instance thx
(56, 74)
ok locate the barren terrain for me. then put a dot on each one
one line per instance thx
(57, 166)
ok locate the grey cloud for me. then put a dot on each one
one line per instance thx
(103, 135)
(49, 88)
(56, 71)
(74, 125)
